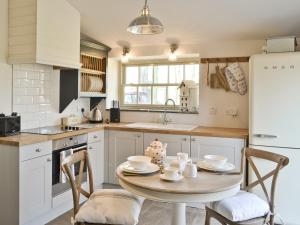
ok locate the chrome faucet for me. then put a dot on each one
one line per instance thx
(165, 119)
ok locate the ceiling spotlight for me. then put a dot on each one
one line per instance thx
(145, 24)
(125, 55)
(172, 55)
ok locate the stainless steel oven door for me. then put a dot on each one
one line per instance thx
(60, 183)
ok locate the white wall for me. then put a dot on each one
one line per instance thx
(5, 69)
(218, 99)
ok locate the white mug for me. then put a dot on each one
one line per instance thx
(179, 164)
(171, 173)
(182, 156)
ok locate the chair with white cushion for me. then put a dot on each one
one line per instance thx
(245, 207)
(104, 206)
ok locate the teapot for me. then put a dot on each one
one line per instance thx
(157, 151)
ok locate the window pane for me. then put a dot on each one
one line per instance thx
(130, 95)
(159, 95)
(132, 73)
(176, 73)
(161, 74)
(192, 72)
(144, 95)
(173, 93)
(146, 74)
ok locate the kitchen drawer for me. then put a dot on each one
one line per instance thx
(35, 150)
(95, 136)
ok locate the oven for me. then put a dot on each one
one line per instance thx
(61, 149)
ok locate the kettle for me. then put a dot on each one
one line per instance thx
(96, 116)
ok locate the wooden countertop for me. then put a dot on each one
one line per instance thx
(198, 131)
(26, 139)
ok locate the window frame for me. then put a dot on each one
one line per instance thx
(139, 64)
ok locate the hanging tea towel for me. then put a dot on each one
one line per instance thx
(236, 79)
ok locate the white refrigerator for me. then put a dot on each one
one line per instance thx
(274, 87)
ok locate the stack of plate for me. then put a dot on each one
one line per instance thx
(150, 168)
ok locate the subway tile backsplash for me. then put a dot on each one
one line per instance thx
(36, 96)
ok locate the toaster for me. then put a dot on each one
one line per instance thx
(10, 125)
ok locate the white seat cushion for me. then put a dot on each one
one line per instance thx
(111, 206)
(243, 206)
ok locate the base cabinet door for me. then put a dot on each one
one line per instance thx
(228, 147)
(176, 143)
(122, 144)
(96, 156)
(35, 188)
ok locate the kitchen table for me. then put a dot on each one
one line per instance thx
(206, 187)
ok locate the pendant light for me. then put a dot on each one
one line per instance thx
(145, 24)
(172, 54)
(125, 56)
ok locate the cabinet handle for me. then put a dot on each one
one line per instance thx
(95, 136)
(264, 136)
(49, 159)
(91, 148)
(138, 135)
(38, 150)
(184, 139)
(193, 139)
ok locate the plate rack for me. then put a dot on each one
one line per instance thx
(92, 75)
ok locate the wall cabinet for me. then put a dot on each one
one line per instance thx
(96, 156)
(35, 187)
(120, 146)
(44, 32)
(229, 147)
(176, 143)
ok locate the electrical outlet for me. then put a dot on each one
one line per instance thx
(234, 112)
(212, 111)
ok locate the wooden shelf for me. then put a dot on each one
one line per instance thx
(92, 94)
(225, 59)
(95, 72)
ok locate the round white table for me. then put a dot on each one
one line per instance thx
(206, 187)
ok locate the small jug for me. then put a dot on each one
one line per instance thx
(190, 170)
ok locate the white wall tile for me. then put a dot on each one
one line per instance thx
(33, 75)
(36, 96)
(25, 83)
(33, 91)
(20, 91)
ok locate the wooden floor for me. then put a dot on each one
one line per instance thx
(153, 213)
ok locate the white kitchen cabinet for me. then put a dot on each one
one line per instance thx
(96, 156)
(229, 147)
(122, 144)
(35, 188)
(44, 32)
(176, 143)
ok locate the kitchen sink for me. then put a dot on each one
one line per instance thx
(170, 126)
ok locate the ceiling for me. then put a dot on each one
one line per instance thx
(189, 21)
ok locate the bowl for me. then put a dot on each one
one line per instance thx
(139, 162)
(215, 160)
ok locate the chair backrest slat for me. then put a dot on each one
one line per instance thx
(76, 184)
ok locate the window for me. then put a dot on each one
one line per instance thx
(150, 85)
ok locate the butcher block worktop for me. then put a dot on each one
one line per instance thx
(26, 139)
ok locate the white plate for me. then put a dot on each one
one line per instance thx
(152, 168)
(164, 177)
(225, 168)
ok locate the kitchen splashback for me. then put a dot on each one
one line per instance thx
(36, 94)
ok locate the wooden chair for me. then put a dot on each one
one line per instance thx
(132, 203)
(280, 162)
